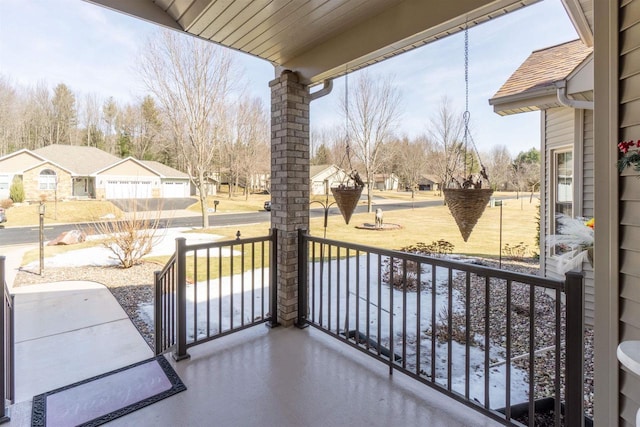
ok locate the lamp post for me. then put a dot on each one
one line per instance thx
(41, 210)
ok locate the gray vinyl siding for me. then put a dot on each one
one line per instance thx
(587, 196)
(629, 113)
(559, 130)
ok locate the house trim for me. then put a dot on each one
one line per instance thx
(543, 199)
(606, 256)
(139, 163)
(578, 164)
(579, 20)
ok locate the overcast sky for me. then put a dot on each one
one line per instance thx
(93, 50)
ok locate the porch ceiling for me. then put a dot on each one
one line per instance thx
(319, 39)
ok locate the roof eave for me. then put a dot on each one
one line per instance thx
(526, 101)
(579, 20)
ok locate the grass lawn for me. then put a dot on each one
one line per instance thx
(234, 204)
(425, 225)
(418, 225)
(61, 212)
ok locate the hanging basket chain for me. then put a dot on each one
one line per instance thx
(467, 115)
(469, 202)
(347, 197)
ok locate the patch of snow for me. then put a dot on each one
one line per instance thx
(100, 256)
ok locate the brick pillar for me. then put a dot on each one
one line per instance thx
(289, 183)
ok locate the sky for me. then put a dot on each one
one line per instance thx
(93, 51)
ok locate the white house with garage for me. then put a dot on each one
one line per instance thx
(76, 172)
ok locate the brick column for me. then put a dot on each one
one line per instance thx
(289, 183)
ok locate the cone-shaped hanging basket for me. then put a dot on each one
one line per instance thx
(466, 206)
(347, 200)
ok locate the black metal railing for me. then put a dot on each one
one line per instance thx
(7, 353)
(209, 290)
(494, 340)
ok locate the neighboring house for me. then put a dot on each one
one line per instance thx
(428, 183)
(332, 174)
(77, 172)
(558, 82)
(259, 181)
(386, 182)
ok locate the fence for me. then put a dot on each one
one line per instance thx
(494, 340)
(206, 291)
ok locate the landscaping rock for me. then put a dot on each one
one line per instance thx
(68, 238)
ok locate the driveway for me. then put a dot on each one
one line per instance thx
(155, 204)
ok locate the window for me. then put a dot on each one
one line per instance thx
(4, 182)
(47, 180)
(563, 162)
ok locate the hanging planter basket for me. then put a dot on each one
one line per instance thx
(466, 206)
(347, 199)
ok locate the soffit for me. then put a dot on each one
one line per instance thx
(319, 39)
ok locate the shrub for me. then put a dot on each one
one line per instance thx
(6, 203)
(395, 273)
(516, 252)
(16, 191)
(130, 238)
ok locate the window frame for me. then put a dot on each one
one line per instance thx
(47, 180)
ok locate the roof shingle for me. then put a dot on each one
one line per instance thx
(544, 67)
(80, 160)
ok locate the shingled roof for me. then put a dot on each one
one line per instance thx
(544, 67)
(164, 170)
(80, 160)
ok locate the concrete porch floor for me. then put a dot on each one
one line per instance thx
(290, 377)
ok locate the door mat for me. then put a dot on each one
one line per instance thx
(103, 398)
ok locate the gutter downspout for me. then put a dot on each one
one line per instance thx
(326, 90)
(561, 92)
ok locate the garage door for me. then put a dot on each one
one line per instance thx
(175, 189)
(128, 189)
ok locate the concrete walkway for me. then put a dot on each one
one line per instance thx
(66, 332)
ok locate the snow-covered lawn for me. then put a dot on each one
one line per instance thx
(98, 256)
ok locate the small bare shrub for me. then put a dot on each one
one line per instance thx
(395, 274)
(516, 252)
(131, 238)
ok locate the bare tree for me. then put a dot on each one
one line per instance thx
(372, 109)
(10, 118)
(412, 160)
(110, 112)
(499, 167)
(191, 80)
(445, 153)
(89, 112)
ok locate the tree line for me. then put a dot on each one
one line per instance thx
(198, 117)
(371, 141)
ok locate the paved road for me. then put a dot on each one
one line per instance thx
(22, 235)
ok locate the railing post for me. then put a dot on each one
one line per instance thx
(303, 259)
(157, 312)
(574, 363)
(181, 303)
(7, 344)
(273, 279)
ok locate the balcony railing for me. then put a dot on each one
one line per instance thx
(495, 340)
(7, 352)
(206, 291)
(474, 333)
